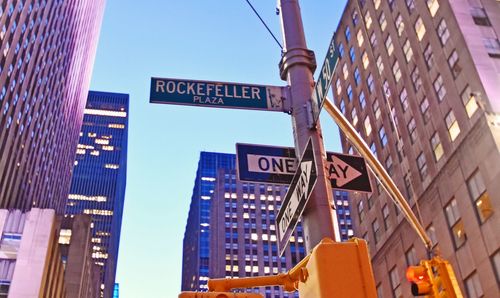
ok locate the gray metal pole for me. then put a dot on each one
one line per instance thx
(319, 220)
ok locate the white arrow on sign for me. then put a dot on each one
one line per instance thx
(341, 172)
(301, 192)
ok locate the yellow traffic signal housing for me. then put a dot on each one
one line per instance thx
(338, 270)
(421, 283)
(433, 278)
(218, 295)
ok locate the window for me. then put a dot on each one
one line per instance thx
(347, 33)
(408, 188)
(395, 283)
(380, 65)
(411, 257)
(342, 106)
(345, 71)
(355, 17)
(400, 26)
(360, 37)
(357, 77)
(437, 147)
(407, 50)
(403, 98)
(389, 46)
(338, 86)
(433, 6)
(365, 59)
(420, 28)
(469, 101)
(473, 286)
(383, 137)
(479, 16)
(352, 54)
(439, 87)
(373, 149)
(422, 165)
(412, 129)
(424, 109)
(410, 4)
(492, 46)
(361, 212)
(452, 125)
(396, 71)
(341, 50)
(415, 78)
(368, 126)
(385, 214)
(443, 32)
(376, 3)
(495, 260)
(380, 293)
(455, 223)
(480, 196)
(368, 19)
(388, 165)
(373, 39)
(382, 21)
(376, 231)
(354, 117)
(431, 231)
(376, 109)
(369, 81)
(362, 100)
(349, 92)
(453, 63)
(429, 56)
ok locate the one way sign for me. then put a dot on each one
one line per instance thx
(347, 172)
(296, 197)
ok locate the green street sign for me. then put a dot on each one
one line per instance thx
(216, 94)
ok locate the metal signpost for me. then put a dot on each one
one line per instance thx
(217, 94)
(296, 198)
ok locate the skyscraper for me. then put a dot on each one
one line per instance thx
(420, 81)
(47, 53)
(241, 227)
(196, 244)
(99, 177)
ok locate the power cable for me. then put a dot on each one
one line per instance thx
(265, 25)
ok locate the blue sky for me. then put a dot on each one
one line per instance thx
(193, 39)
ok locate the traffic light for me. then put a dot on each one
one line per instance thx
(218, 295)
(433, 278)
(421, 282)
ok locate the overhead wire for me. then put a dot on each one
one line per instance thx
(264, 23)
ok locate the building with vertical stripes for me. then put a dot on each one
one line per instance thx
(47, 50)
(242, 230)
(420, 81)
(99, 178)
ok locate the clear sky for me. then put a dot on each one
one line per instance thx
(191, 39)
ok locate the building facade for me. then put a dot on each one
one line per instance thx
(196, 243)
(419, 80)
(81, 274)
(241, 228)
(30, 258)
(47, 51)
(99, 178)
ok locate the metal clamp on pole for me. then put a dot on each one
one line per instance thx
(296, 56)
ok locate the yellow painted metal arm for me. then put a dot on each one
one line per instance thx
(378, 169)
(287, 280)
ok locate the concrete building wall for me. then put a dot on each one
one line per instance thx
(420, 84)
(38, 271)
